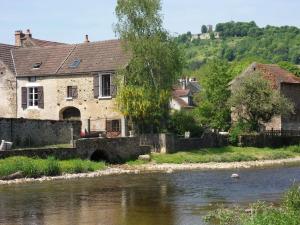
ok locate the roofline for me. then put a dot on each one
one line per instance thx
(66, 74)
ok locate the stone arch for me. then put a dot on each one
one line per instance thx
(70, 113)
(99, 155)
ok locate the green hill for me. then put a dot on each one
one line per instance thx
(243, 43)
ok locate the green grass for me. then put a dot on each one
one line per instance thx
(225, 154)
(36, 167)
(288, 213)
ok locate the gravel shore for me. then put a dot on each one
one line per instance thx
(166, 168)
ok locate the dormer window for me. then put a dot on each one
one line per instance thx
(75, 64)
(37, 65)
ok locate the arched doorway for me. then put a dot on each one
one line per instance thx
(70, 113)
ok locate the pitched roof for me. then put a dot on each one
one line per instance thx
(93, 57)
(5, 55)
(272, 72)
(43, 43)
(179, 92)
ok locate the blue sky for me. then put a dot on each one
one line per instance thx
(69, 20)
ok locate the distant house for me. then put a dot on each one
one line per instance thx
(287, 83)
(182, 94)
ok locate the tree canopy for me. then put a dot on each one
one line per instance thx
(155, 63)
(255, 102)
(213, 110)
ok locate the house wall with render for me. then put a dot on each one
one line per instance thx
(56, 101)
(8, 107)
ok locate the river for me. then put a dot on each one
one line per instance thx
(180, 198)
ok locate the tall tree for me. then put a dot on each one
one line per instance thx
(204, 29)
(155, 62)
(213, 110)
(255, 102)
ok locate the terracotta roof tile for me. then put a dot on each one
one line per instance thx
(178, 92)
(277, 75)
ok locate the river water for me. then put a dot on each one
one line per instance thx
(180, 198)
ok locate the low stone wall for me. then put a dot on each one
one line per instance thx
(31, 133)
(169, 143)
(261, 141)
(58, 153)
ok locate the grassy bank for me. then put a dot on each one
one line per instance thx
(224, 154)
(33, 168)
(288, 213)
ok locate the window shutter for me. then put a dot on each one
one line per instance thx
(40, 97)
(108, 125)
(113, 86)
(96, 86)
(74, 92)
(24, 97)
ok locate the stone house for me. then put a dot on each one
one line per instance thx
(287, 83)
(55, 81)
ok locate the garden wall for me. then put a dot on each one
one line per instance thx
(261, 141)
(170, 143)
(30, 133)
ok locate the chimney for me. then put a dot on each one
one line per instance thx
(86, 40)
(18, 35)
(28, 33)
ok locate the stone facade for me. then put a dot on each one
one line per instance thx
(8, 108)
(56, 100)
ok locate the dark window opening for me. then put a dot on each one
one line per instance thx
(105, 85)
(72, 92)
(113, 125)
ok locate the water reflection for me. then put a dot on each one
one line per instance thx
(168, 199)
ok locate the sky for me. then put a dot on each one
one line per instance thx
(69, 20)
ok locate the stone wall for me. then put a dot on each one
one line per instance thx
(292, 92)
(262, 141)
(8, 104)
(29, 133)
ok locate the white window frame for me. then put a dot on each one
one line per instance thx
(100, 85)
(33, 99)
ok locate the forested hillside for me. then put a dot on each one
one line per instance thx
(242, 43)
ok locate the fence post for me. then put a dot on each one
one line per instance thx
(89, 125)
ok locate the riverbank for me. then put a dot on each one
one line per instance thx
(161, 168)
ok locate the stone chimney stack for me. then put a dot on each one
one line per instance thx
(18, 36)
(28, 33)
(86, 40)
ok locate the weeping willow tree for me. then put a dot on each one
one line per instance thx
(155, 63)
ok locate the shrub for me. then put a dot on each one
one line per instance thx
(236, 130)
(182, 121)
